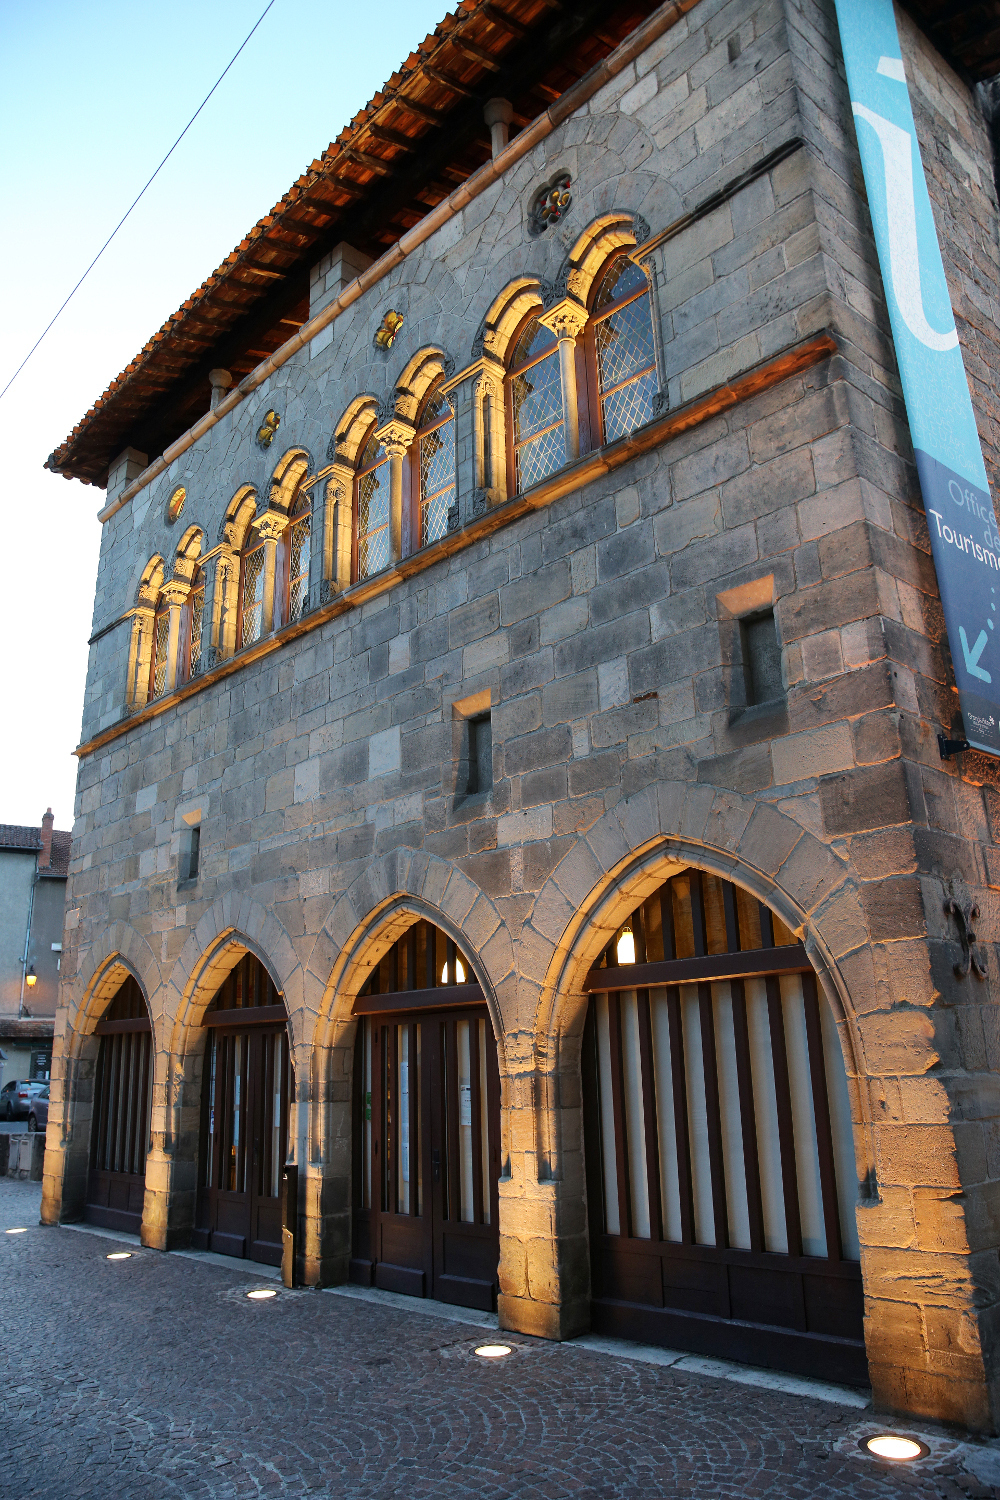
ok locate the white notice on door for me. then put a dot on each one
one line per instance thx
(465, 1104)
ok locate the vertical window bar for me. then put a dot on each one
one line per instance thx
(766, 926)
(618, 1105)
(648, 1076)
(392, 1102)
(667, 921)
(454, 1154)
(786, 1134)
(732, 917)
(821, 1111)
(411, 959)
(639, 934)
(681, 1128)
(748, 1115)
(714, 1116)
(415, 1144)
(475, 1097)
(697, 913)
(116, 1089)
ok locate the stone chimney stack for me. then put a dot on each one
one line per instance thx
(45, 857)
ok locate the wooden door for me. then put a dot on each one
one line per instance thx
(721, 1174)
(244, 1143)
(119, 1140)
(427, 1139)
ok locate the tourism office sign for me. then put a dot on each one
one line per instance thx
(965, 541)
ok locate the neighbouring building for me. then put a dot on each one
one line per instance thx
(514, 861)
(34, 864)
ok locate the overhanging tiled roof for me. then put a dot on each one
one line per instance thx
(14, 836)
(420, 135)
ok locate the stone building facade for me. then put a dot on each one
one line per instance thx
(300, 791)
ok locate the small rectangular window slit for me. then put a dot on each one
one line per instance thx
(761, 653)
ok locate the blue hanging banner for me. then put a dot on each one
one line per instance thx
(964, 538)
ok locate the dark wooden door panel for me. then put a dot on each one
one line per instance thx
(718, 1139)
(426, 1128)
(244, 1127)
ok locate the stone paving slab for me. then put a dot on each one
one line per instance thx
(151, 1379)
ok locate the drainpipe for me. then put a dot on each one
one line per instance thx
(27, 940)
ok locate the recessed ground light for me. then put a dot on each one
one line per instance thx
(121, 1255)
(493, 1351)
(15, 1231)
(891, 1445)
(262, 1293)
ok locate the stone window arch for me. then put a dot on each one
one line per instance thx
(536, 418)
(433, 476)
(621, 350)
(142, 643)
(372, 509)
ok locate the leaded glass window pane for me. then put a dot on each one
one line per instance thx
(437, 471)
(537, 407)
(373, 511)
(299, 534)
(161, 639)
(197, 618)
(252, 604)
(623, 342)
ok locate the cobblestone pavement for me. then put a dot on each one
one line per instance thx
(157, 1378)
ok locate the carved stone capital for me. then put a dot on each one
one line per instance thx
(396, 435)
(567, 319)
(175, 590)
(270, 525)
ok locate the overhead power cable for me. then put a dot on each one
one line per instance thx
(132, 205)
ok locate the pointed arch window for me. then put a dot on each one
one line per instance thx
(535, 399)
(297, 544)
(621, 348)
(251, 622)
(371, 508)
(159, 654)
(195, 617)
(435, 453)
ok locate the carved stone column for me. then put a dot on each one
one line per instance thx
(175, 591)
(339, 520)
(140, 645)
(396, 435)
(270, 527)
(476, 395)
(567, 320)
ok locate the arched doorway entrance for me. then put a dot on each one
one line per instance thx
(720, 1161)
(426, 1127)
(119, 1139)
(248, 1083)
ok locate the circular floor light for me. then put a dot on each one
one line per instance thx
(493, 1351)
(898, 1449)
(120, 1255)
(15, 1231)
(261, 1294)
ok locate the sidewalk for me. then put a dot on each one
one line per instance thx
(157, 1377)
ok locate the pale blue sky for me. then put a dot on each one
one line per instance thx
(91, 97)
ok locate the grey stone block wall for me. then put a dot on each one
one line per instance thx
(601, 628)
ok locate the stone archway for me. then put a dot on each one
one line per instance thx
(403, 886)
(119, 952)
(233, 925)
(625, 853)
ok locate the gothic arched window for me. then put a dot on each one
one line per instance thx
(623, 360)
(371, 509)
(297, 543)
(535, 396)
(158, 656)
(435, 457)
(195, 614)
(252, 591)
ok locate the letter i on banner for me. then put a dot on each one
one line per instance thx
(963, 528)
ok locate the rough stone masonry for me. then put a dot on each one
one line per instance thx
(597, 619)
